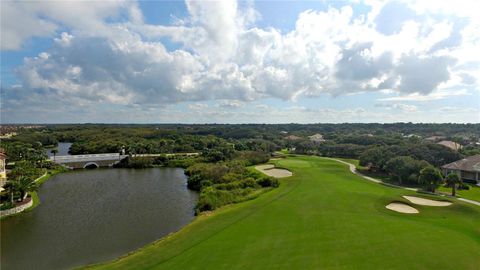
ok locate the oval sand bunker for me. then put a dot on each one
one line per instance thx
(401, 208)
(270, 170)
(426, 202)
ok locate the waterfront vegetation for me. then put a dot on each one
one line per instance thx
(322, 217)
(223, 183)
(383, 151)
(29, 170)
(219, 183)
(24, 182)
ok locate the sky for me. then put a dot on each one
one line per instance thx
(240, 61)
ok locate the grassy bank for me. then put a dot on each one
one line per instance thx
(40, 181)
(322, 217)
(473, 193)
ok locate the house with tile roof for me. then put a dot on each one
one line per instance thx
(468, 169)
(452, 145)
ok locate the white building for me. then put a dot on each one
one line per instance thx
(318, 138)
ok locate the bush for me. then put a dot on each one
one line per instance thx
(249, 183)
(206, 183)
(211, 198)
(6, 205)
(214, 198)
(224, 183)
(268, 182)
(254, 157)
(135, 162)
(181, 163)
(463, 187)
(161, 160)
(194, 182)
(228, 186)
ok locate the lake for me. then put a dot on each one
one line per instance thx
(62, 148)
(91, 216)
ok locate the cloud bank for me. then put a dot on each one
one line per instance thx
(105, 54)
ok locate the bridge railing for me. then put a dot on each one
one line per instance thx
(83, 158)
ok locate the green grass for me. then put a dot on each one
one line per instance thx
(355, 162)
(473, 193)
(324, 217)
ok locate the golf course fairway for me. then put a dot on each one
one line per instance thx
(323, 217)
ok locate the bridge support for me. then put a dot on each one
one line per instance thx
(91, 165)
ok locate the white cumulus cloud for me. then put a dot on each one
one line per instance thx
(106, 53)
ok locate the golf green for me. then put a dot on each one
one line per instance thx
(322, 217)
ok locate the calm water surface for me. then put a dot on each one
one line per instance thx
(90, 216)
(62, 148)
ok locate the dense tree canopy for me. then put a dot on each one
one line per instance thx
(401, 150)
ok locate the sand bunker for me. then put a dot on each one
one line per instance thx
(270, 170)
(427, 202)
(265, 167)
(402, 208)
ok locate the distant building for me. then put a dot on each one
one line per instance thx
(317, 138)
(435, 138)
(293, 138)
(468, 169)
(8, 135)
(412, 136)
(3, 171)
(452, 145)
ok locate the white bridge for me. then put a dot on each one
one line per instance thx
(89, 161)
(104, 160)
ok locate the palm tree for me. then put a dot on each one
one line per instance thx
(11, 187)
(431, 178)
(25, 184)
(453, 181)
(54, 152)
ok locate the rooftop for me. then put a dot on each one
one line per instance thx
(435, 138)
(471, 164)
(452, 145)
(293, 138)
(317, 138)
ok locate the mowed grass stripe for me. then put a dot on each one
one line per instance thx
(322, 217)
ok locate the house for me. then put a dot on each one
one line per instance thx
(293, 138)
(468, 169)
(3, 171)
(412, 136)
(8, 135)
(435, 138)
(452, 145)
(317, 138)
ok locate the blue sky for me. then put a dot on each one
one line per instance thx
(240, 62)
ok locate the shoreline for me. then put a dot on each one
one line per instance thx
(202, 217)
(35, 199)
